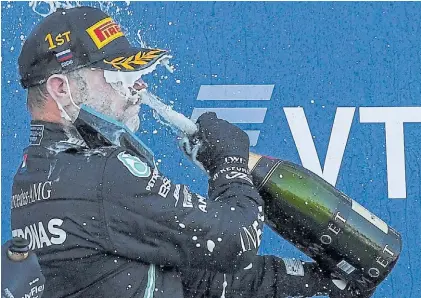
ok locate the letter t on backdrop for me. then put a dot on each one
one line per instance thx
(393, 118)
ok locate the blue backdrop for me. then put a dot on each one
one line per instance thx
(329, 85)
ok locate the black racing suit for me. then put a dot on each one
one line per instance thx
(105, 223)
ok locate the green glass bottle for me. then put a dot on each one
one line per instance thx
(337, 232)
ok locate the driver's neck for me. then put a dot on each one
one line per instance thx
(48, 113)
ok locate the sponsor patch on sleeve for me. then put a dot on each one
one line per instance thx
(134, 164)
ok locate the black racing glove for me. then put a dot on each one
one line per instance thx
(20, 271)
(223, 145)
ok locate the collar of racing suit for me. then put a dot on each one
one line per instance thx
(93, 132)
(48, 133)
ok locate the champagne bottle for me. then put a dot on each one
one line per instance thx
(343, 237)
(21, 274)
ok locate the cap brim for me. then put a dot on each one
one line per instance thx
(135, 59)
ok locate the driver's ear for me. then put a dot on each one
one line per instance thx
(58, 88)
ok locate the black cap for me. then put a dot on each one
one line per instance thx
(69, 39)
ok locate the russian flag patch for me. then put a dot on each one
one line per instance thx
(65, 57)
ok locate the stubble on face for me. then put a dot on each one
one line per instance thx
(94, 91)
